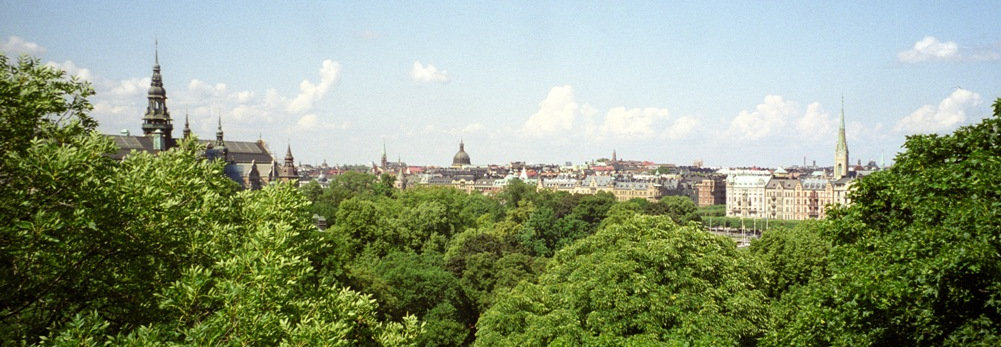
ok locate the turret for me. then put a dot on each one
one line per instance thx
(157, 116)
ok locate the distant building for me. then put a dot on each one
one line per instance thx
(711, 191)
(461, 158)
(245, 160)
(745, 195)
(801, 195)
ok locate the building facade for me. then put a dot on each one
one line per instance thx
(245, 160)
(781, 196)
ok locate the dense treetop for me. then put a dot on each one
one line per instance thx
(165, 250)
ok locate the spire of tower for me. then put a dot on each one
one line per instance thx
(157, 117)
(841, 149)
(187, 126)
(384, 162)
(156, 52)
(218, 133)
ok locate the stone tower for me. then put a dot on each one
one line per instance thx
(157, 117)
(288, 172)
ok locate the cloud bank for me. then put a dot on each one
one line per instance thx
(428, 73)
(560, 117)
(930, 49)
(17, 46)
(950, 113)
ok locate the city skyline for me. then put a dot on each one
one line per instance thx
(731, 85)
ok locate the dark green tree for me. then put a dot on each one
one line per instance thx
(641, 282)
(915, 258)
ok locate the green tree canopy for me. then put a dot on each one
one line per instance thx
(916, 258)
(643, 281)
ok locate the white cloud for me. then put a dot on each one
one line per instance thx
(242, 97)
(561, 118)
(767, 119)
(72, 70)
(429, 73)
(556, 116)
(633, 123)
(816, 124)
(681, 127)
(931, 49)
(310, 93)
(18, 45)
(124, 89)
(949, 113)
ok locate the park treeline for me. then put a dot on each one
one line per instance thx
(166, 250)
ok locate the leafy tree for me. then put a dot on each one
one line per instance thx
(419, 285)
(681, 209)
(514, 192)
(644, 281)
(593, 208)
(915, 258)
(260, 292)
(155, 249)
(791, 257)
(56, 200)
(39, 102)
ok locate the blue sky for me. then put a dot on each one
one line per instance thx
(730, 84)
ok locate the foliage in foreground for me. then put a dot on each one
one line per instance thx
(164, 250)
(642, 281)
(916, 260)
(156, 249)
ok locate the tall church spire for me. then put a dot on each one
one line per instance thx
(187, 127)
(841, 149)
(218, 134)
(385, 161)
(157, 116)
(288, 171)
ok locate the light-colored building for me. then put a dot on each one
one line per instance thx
(643, 189)
(780, 198)
(745, 195)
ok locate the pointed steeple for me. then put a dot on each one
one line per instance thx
(157, 116)
(288, 170)
(187, 126)
(841, 149)
(218, 134)
(385, 161)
